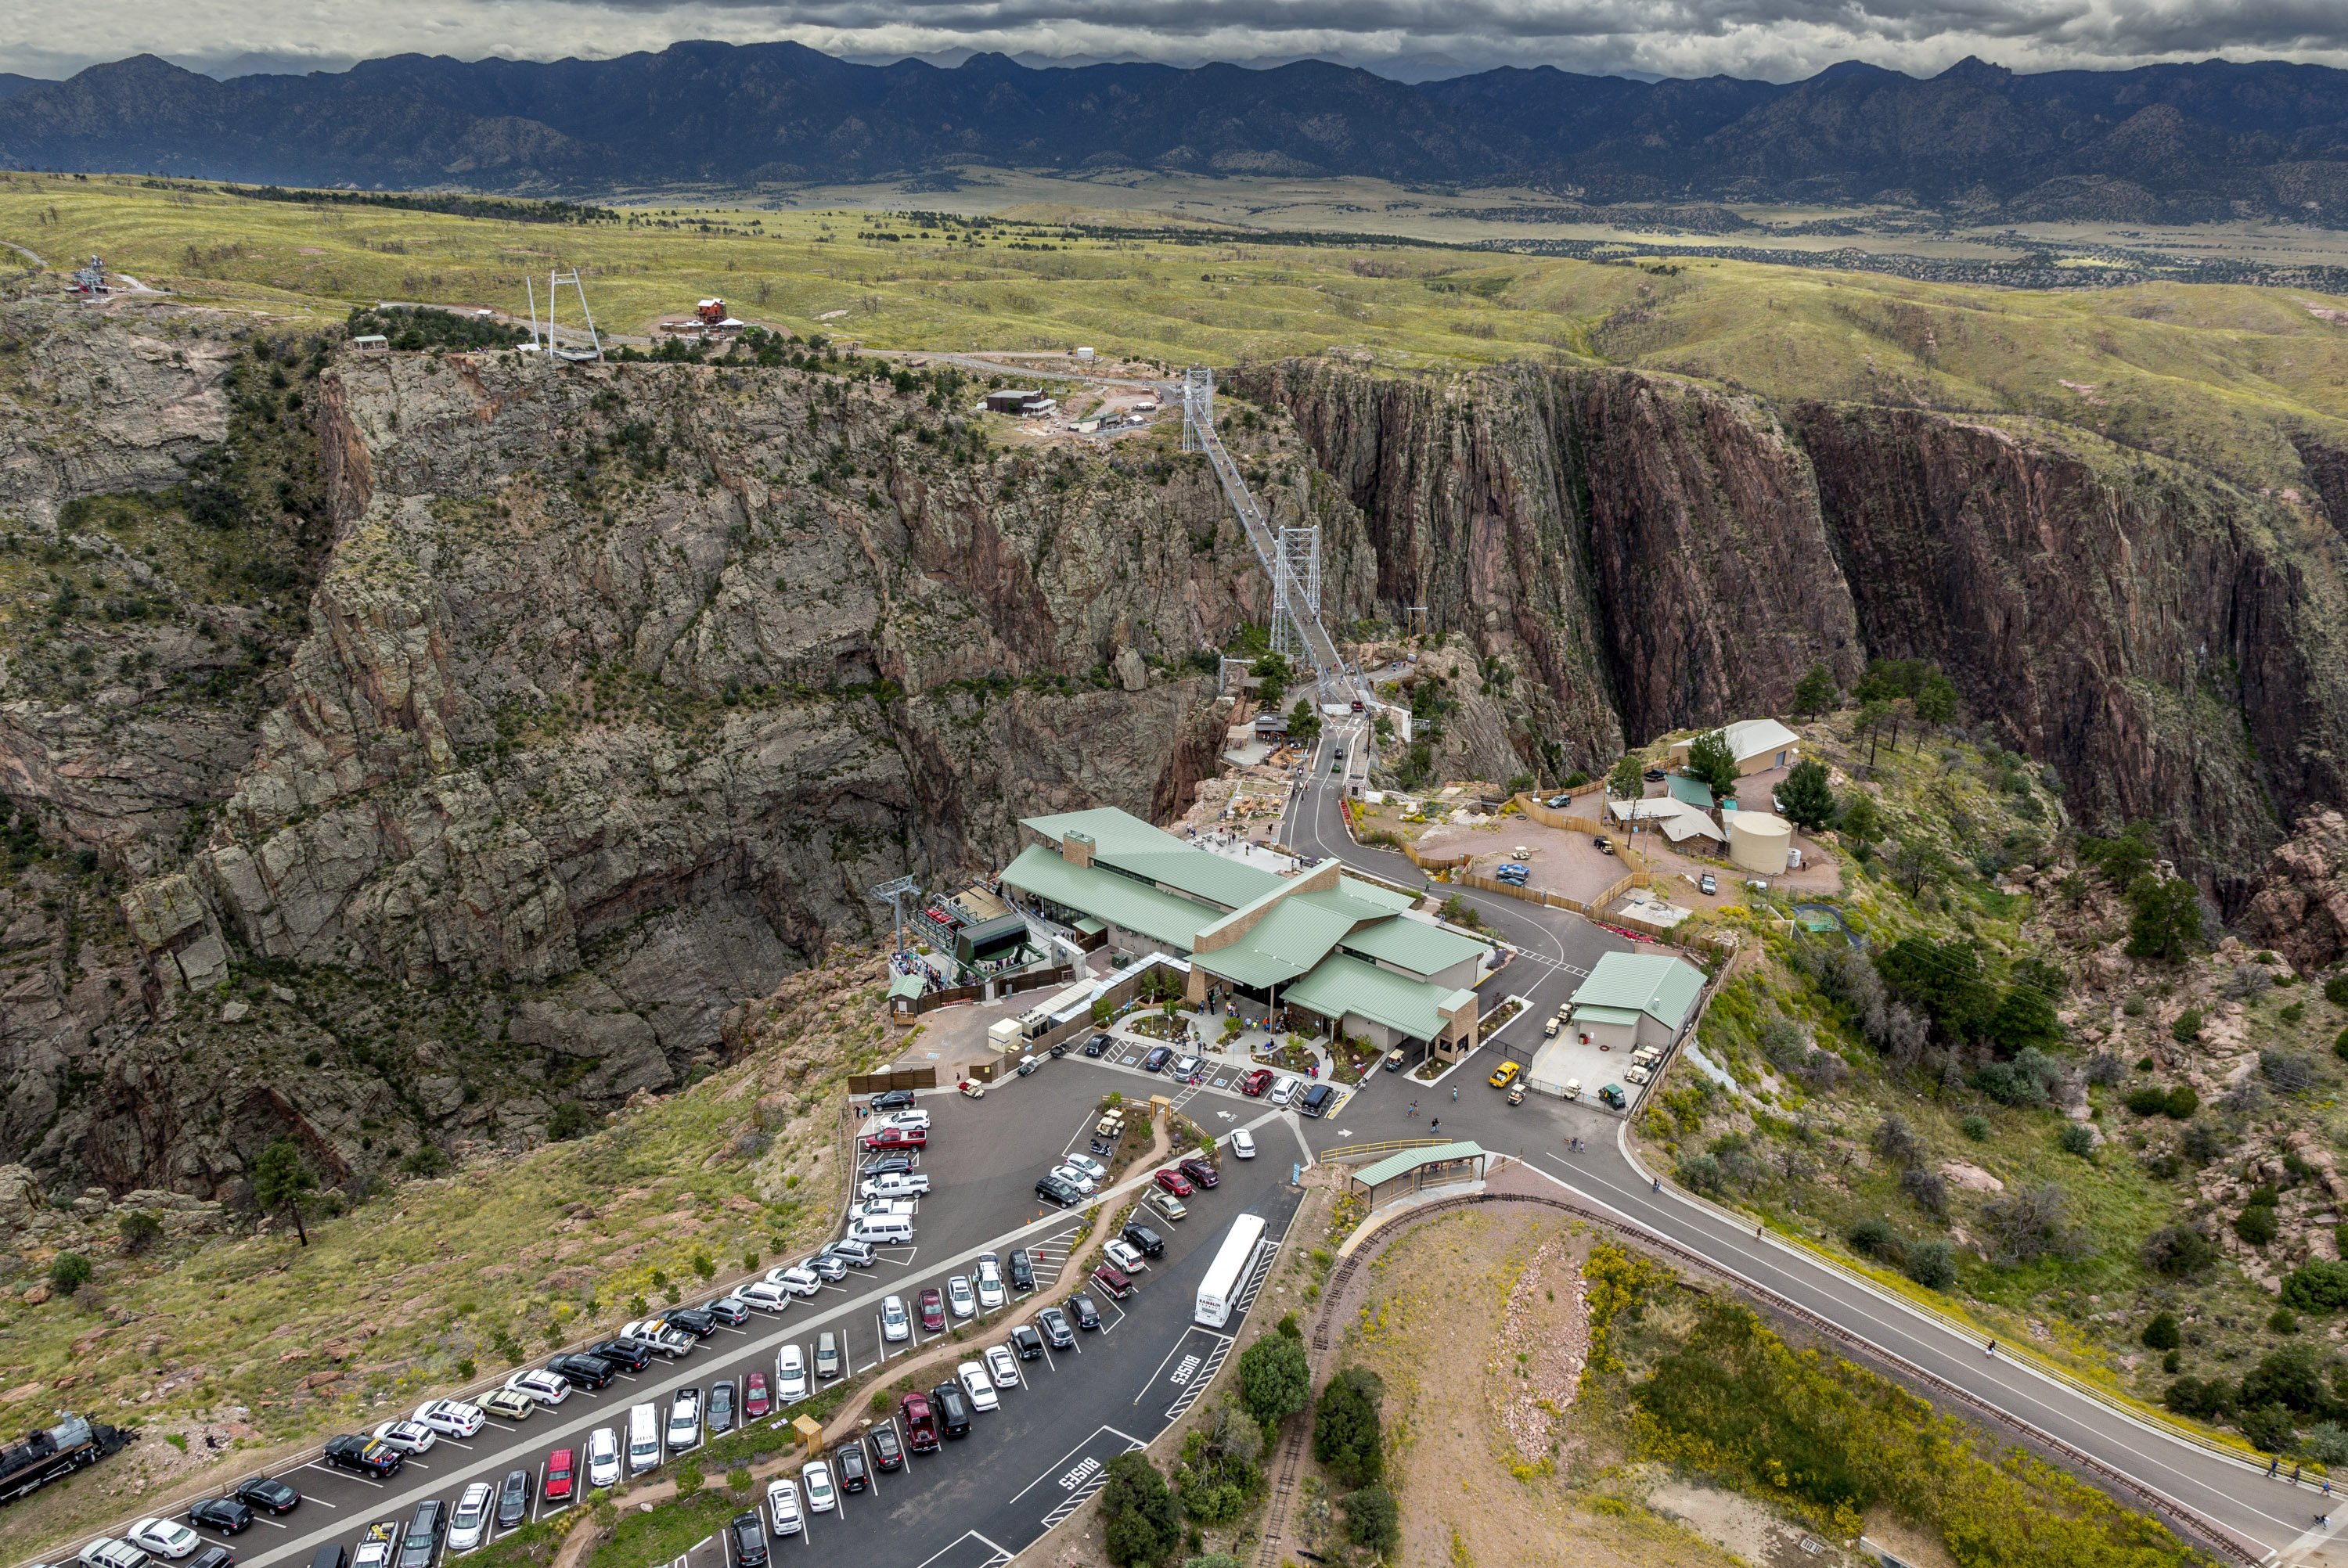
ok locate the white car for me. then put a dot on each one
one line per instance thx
(665, 1338)
(790, 1375)
(685, 1420)
(1243, 1144)
(108, 1552)
(783, 1503)
(602, 1459)
(959, 1300)
(989, 1283)
(450, 1418)
(895, 1185)
(798, 1279)
(1126, 1256)
(1283, 1092)
(546, 1388)
(470, 1523)
(882, 1208)
(1088, 1165)
(408, 1437)
(912, 1116)
(816, 1478)
(978, 1386)
(1074, 1178)
(894, 1324)
(766, 1297)
(1003, 1366)
(163, 1537)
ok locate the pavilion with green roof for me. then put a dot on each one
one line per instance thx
(1351, 954)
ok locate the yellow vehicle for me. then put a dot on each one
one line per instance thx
(1505, 1076)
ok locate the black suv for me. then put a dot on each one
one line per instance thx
(628, 1353)
(719, 1417)
(888, 1165)
(1158, 1058)
(271, 1496)
(422, 1542)
(1097, 1046)
(513, 1498)
(847, 1466)
(691, 1320)
(887, 1451)
(582, 1371)
(1147, 1241)
(892, 1099)
(1022, 1270)
(1026, 1342)
(953, 1406)
(1087, 1314)
(1317, 1100)
(225, 1515)
(1058, 1191)
(749, 1541)
(365, 1455)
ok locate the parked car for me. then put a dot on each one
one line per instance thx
(1053, 1190)
(887, 1165)
(1054, 1323)
(1001, 1366)
(408, 1437)
(513, 1498)
(375, 1545)
(163, 1538)
(821, 1495)
(1243, 1144)
(697, 1321)
(1022, 1270)
(1284, 1090)
(783, 1503)
(1087, 1314)
(1088, 1165)
(1172, 1207)
(1125, 1255)
(1503, 1075)
(669, 1342)
(978, 1387)
(1317, 1100)
(1112, 1279)
(892, 1099)
(1559, 801)
(1605, 845)
(1069, 1177)
(583, 1371)
(1200, 1172)
(1654, 776)
(108, 1552)
(1147, 1242)
(603, 1457)
(1026, 1343)
(847, 1464)
(544, 1387)
(630, 1355)
(362, 1454)
(766, 1297)
(510, 1403)
(470, 1523)
(1158, 1058)
(1707, 884)
(908, 1117)
(790, 1375)
(718, 1417)
(960, 1300)
(267, 1496)
(421, 1543)
(921, 1423)
(853, 1252)
(214, 1557)
(894, 1325)
(894, 1185)
(827, 1354)
(1186, 1066)
(758, 1400)
(685, 1420)
(1173, 1181)
(1097, 1046)
(953, 1407)
(225, 1515)
(450, 1418)
(987, 1280)
(933, 1309)
(1256, 1082)
(894, 1139)
(747, 1536)
(888, 1449)
(731, 1310)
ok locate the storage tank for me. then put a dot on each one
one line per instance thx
(1758, 841)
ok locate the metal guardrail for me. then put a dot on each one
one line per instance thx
(2184, 1521)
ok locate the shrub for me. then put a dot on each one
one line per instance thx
(1372, 1520)
(2078, 1138)
(2340, 1046)
(1700, 1172)
(1875, 1238)
(2173, 1362)
(1346, 1432)
(1932, 1264)
(2161, 1333)
(1929, 1188)
(2319, 1285)
(1975, 1127)
(2187, 1027)
(138, 1232)
(2027, 1079)
(2255, 1224)
(1275, 1379)
(738, 1478)
(570, 1119)
(2282, 1320)
(2289, 1074)
(1141, 1525)
(2269, 1429)
(2203, 1142)
(688, 1480)
(68, 1272)
(2210, 1400)
(2326, 1442)
(2148, 1100)
(2182, 1103)
(2336, 990)
(2031, 1223)
(2293, 1376)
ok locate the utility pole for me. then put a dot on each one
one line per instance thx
(894, 894)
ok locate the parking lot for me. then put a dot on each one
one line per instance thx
(1023, 1466)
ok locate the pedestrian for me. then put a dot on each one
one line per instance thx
(1436, 1125)
(2294, 1475)
(1658, 1183)
(2273, 1465)
(1991, 1352)
(1454, 1092)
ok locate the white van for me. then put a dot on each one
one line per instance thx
(882, 1230)
(644, 1439)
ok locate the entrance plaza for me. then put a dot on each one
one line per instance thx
(1315, 947)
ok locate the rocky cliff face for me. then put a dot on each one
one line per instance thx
(1659, 554)
(617, 690)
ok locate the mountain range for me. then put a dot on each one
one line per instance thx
(2161, 143)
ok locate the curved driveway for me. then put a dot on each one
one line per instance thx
(2270, 1518)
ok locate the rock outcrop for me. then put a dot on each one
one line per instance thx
(2300, 907)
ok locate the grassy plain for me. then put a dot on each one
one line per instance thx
(2222, 375)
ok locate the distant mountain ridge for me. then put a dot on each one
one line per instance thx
(2162, 143)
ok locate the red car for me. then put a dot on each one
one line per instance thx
(1256, 1082)
(890, 1138)
(1200, 1172)
(921, 1423)
(1175, 1182)
(1111, 1278)
(755, 1402)
(933, 1311)
(560, 1474)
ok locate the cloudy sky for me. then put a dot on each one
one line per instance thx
(1778, 39)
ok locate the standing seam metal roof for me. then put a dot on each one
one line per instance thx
(1120, 900)
(1665, 988)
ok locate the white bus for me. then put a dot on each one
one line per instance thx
(1228, 1274)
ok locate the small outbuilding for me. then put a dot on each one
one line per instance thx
(1011, 400)
(1416, 1170)
(1758, 745)
(1633, 999)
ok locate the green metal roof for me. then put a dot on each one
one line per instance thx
(1294, 935)
(1694, 792)
(905, 986)
(1387, 900)
(1414, 945)
(1105, 896)
(1596, 1014)
(1409, 1160)
(1131, 844)
(1665, 989)
(1090, 926)
(1340, 985)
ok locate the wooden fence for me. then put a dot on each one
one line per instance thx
(900, 1077)
(905, 1010)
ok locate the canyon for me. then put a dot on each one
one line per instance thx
(592, 700)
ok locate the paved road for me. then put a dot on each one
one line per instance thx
(981, 1499)
(2234, 1495)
